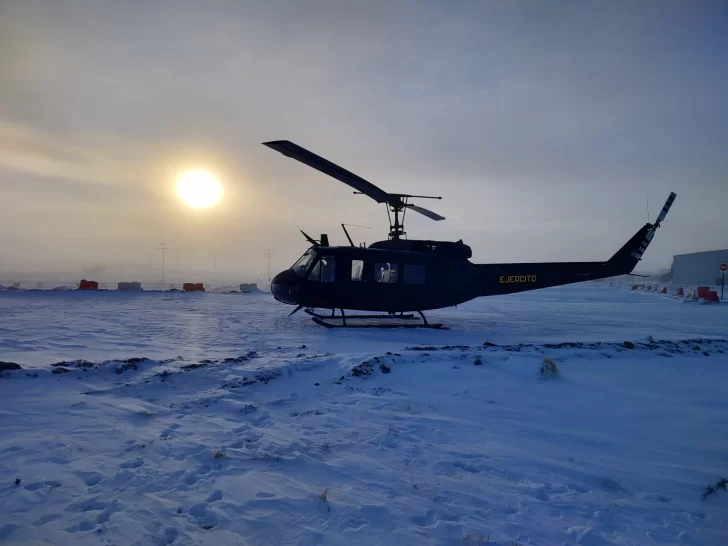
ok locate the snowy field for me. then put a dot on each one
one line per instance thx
(172, 418)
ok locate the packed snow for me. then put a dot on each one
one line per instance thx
(172, 418)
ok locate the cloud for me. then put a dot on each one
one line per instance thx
(542, 125)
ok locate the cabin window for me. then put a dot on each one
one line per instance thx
(324, 270)
(414, 274)
(386, 272)
(357, 270)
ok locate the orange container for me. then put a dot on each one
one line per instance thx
(193, 287)
(88, 285)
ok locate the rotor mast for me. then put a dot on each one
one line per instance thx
(399, 204)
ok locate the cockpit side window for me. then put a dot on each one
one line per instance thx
(303, 263)
(324, 270)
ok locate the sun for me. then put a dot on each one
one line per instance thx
(199, 189)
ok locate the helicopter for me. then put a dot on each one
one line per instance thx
(399, 277)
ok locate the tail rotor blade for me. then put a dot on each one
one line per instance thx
(665, 209)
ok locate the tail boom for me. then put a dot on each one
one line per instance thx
(520, 277)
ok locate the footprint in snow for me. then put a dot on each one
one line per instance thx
(259, 419)
(578, 488)
(355, 524)
(374, 511)
(216, 495)
(90, 478)
(169, 430)
(104, 516)
(205, 520)
(6, 530)
(46, 519)
(170, 535)
(465, 467)
(136, 463)
(199, 510)
(39, 485)
(190, 478)
(264, 495)
(81, 526)
(425, 520)
(87, 505)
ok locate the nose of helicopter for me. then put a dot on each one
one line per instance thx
(284, 287)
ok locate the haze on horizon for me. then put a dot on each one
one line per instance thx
(542, 125)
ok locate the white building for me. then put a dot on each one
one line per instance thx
(698, 268)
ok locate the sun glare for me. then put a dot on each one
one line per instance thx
(199, 189)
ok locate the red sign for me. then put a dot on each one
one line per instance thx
(723, 268)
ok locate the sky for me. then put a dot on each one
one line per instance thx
(547, 128)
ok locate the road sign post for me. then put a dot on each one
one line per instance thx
(723, 269)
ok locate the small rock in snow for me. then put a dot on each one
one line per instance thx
(628, 345)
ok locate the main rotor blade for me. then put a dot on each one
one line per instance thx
(294, 151)
(425, 212)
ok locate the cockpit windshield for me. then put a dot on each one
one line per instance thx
(301, 266)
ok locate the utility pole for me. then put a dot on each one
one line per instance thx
(163, 248)
(269, 254)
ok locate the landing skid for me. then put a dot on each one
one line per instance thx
(342, 316)
(350, 321)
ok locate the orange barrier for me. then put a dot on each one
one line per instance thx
(680, 291)
(712, 296)
(703, 291)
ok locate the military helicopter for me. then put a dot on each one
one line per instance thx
(399, 277)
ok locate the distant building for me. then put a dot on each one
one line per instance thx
(698, 268)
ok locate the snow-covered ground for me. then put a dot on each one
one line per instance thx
(216, 419)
